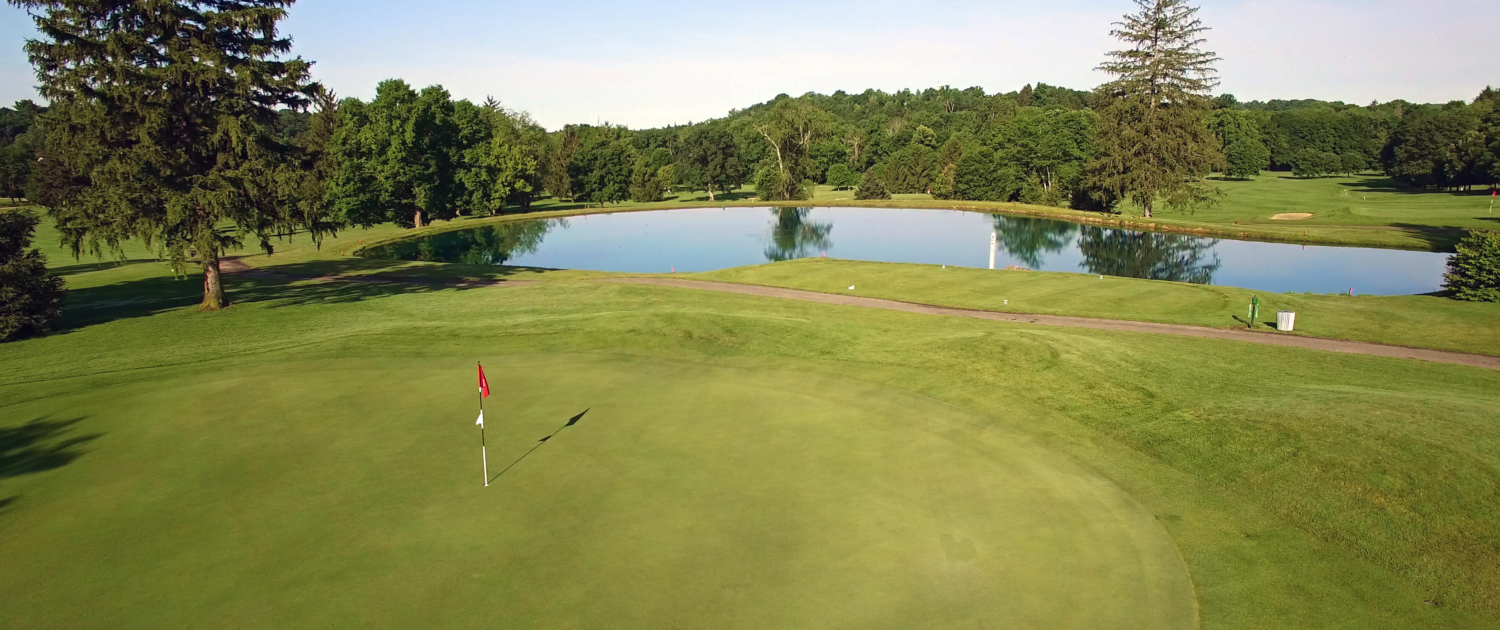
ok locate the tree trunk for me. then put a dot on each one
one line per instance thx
(1147, 207)
(711, 192)
(416, 219)
(213, 285)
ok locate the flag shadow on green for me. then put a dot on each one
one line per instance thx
(571, 421)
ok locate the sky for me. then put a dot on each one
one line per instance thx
(648, 64)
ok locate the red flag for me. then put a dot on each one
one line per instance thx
(484, 385)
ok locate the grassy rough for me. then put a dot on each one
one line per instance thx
(310, 450)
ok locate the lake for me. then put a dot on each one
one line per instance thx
(718, 238)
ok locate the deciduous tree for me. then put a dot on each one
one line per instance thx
(1246, 157)
(789, 130)
(710, 160)
(397, 157)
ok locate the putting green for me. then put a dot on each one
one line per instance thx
(346, 493)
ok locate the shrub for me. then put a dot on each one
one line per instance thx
(1474, 272)
(30, 298)
(841, 176)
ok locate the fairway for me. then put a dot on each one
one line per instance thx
(347, 493)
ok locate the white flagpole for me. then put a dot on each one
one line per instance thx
(483, 452)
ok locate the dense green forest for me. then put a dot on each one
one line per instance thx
(407, 151)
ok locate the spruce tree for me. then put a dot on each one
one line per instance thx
(30, 297)
(872, 187)
(1154, 143)
(160, 125)
(1474, 271)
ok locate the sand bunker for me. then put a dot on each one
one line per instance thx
(1292, 216)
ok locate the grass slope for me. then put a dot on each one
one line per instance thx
(1422, 321)
(308, 455)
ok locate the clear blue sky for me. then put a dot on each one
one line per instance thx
(645, 64)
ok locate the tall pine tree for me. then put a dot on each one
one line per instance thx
(1154, 144)
(160, 125)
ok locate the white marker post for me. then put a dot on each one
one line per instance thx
(994, 247)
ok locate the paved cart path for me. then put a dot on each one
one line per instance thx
(1278, 339)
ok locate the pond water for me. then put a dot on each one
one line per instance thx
(708, 239)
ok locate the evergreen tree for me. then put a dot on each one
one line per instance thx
(872, 187)
(909, 170)
(316, 164)
(1474, 272)
(30, 298)
(651, 176)
(1152, 139)
(160, 125)
(557, 178)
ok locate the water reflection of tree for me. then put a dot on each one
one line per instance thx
(1148, 255)
(493, 245)
(1027, 238)
(793, 236)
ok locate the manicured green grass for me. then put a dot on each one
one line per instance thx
(307, 457)
(1360, 209)
(1422, 321)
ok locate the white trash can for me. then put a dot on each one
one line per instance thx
(1285, 321)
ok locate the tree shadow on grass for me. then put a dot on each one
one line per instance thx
(287, 285)
(1441, 239)
(75, 269)
(38, 446)
(1388, 185)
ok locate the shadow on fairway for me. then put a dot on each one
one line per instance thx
(38, 446)
(1441, 239)
(571, 421)
(1388, 185)
(78, 268)
(289, 287)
